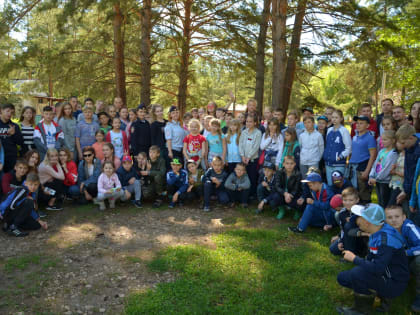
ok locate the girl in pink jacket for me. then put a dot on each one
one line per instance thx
(109, 186)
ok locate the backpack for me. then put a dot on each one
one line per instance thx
(12, 200)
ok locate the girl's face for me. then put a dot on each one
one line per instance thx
(141, 114)
(201, 112)
(132, 116)
(99, 137)
(241, 118)
(107, 151)
(141, 159)
(335, 119)
(63, 157)
(207, 123)
(214, 128)
(322, 124)
(252, 107)
(387, 124)
(108, 169)
(267, 114)
(116, 124)
(104, 120)
(175, 115)
(88, 156)
(27, 115)
(289, 165)
(287, 136)
(272, 127)
(53, 157)
(328, 113)
(159, 112)
(233, 128)
(112, 112)
(415, 110)
(194, 128)
(33, 160)
(124, 113)
(195, 115)
(387, 142)
(250, 123)
(67, 110)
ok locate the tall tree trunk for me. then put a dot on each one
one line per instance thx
(119, 54)
(185, 58)
(260, 58)
(279, 50)
(293, 53)
(145, 48)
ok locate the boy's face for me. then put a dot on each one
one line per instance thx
(315, 186)
(267, 114)
(154, 155)
(141, 114)
(192, 167)
(322, 124)
(141, 159)
(268, 172)
(32, 186)
(362, 125)
(307, 113)
(395, 218)
(387, 106)
(127, 165)
(278, 114)
(328, 113)
(48, 116)
(176, 167)
(217, 166)
(291, 120)
(367, 111)
(349, 201)
(240, 170)
(88, 113)
(309, 125)
(104, 120)
(21, 170)
(6, 113)
(88, 103)
(289, 165)
(220, 114)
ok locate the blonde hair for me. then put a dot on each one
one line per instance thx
(216, 122)
(405, 132)
(195, 121)
(238, 125)
(50, 151)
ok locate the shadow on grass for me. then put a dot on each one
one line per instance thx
(251, 271)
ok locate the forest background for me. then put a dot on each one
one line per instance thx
(286, 54)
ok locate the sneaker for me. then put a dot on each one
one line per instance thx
(16, 232)
(42, 214)
(111, 203)
(157, 203)
(54, 208)
(281, 213)
(295, 229)
(102, 206)
(206, 209)
(137, 204)
(171, 205)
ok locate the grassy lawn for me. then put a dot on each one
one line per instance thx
(251, 271)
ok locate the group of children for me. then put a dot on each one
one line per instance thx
(312, 167)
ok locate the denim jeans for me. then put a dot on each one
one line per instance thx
(210, 188)
(238, 195)
(316, 217)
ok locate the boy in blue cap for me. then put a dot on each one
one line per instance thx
(396, 218)
(318, 211)
(385, 269)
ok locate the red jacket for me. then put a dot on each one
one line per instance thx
(70, 178)
(125, 140)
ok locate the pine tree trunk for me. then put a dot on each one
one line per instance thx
(293, 53)
(119, 54)
(145, 51)
(279, 16)
(185, 58)
(260, 58)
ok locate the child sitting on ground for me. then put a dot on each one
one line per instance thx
(318, 211)
(18, 209)
(129, 182)
(177, 183)
(339, 182)
(109, 186)
(195, 188)
(237, 185)
(16, 177)
(385, 269)
(213, 181)
(266, 192)
(289, 188)
(396, 218)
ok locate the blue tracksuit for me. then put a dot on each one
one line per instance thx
(411, 233)
(177, 183)
(319, 213)
(385, 269)
(210, 188)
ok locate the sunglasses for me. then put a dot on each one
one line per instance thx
(87, 155)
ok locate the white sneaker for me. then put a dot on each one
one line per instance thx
(102, 206)
(112, 203)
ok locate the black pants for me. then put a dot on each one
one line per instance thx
(195, 194)
(21, 216)
(172, 189)
(56, 185)
(92, 189)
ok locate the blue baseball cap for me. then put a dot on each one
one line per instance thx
(322, 117)
(374, 214)
(312, 177)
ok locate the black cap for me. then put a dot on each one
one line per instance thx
(269, 165)
(173, 108)
(365, 118)
(141, 106)
(309, 109)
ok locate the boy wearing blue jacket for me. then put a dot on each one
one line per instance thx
(385, 269)
(266, 190)
(214, 183)
(237, 185)
(318, 211)
(177, 181)
(396, 218)
(129, 181)
(18, 209)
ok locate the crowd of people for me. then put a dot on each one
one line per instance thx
(311, 166)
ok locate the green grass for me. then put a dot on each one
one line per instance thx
(21, 263)
(251, 271)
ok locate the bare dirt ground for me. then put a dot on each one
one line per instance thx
(89, 261)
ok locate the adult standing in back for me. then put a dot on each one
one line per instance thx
(174, 135)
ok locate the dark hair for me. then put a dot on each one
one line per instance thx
(73, 96)
(154, 148)
(241, 164)
(89, 149)
(47, 109)
(394, 123)
(350, 191)
(32, 121)
(388, 99)
(108, 162)
(395, 207)
(22, 161)
(100, 131)
(87, 99)
(103, 114)
(309, 118)
(31, 177)
(8, 105)
(277, 109)
(29, 154)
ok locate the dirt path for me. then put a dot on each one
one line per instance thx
(88, 261)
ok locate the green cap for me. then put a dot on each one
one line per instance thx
(176, 161)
